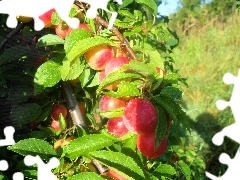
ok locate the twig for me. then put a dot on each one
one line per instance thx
(119, 35)
(73, 105)
(99, 166)
(12, 33)
(77, 115)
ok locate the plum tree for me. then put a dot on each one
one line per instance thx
(140, 116)
(98, 57)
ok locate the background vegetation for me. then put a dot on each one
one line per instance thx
(209, 47)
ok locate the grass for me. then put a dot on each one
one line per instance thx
(204, 58)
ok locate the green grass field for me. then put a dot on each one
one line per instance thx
(203, 58)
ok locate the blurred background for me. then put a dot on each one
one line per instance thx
(208, 48)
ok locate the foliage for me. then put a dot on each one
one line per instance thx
(207, 56)
(44, 61)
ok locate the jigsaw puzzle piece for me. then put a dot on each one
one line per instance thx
(44, 170)
(8, 133)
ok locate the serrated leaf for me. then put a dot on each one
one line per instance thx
(124, 90)
(166, 106)
(174, 110)
(172, 92)
(126, 13)
(30, 174)
(117, 76)
(125, 3)
(171, 78)
(94, 81)
(62, 122)
(164, 169)
(86, 144)
(55, 19)
(82, 46)
(33, 147)
(150, 3)
(185, 169)
(119, 162)
(48, 74)
(116, 138)
(49, 40)
(161, 127)
(86, 176)
(86, 76)
(71, 70)
(144, 69)
(24, 113)
(75, 36)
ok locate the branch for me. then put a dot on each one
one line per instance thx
(73, 105)
(12, 33)
(76, 115)
(119, 35)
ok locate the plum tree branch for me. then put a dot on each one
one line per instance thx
(76, 115)
(73, 105)
(119, 35)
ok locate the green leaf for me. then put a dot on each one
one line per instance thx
(2, 177)
(84, 45)
(30, 174)
(55, 19)
(72, 70)
(166, 106)
(125, 3)
(49, 40)
(119, 162)
(150, 3)
(125, 90)
(94, 80)
(84, 145)
(86, 76)
(48, 74)
(180, 113)
(144, 69)
(117, 76)
(24, 113)
(171, 78)
(172, 92)
(161, 127)
(113, 113)
(33, 147)
(164, 169)
(185, 169)
(86, 176)
(62, 122)
(126, 13)
(75, 36)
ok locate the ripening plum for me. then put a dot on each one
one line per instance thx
(146, 143)
(98, 57)
(140, 116)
